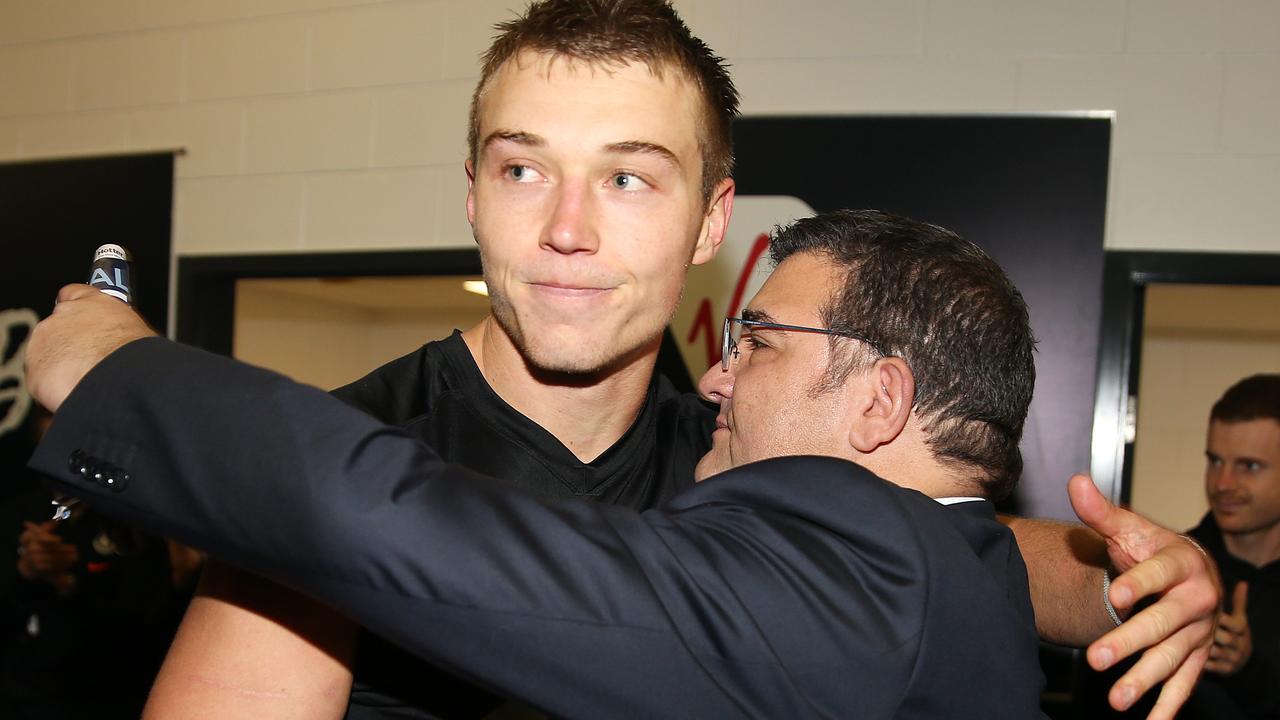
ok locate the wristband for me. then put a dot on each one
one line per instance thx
(1106, 596)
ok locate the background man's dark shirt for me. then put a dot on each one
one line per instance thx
(1256, 687)
(438, 394)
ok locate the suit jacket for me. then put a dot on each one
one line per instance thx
(796, 587)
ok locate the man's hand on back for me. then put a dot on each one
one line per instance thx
(1177, 629)
(85, 327)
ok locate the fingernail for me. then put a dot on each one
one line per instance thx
(1120, 595)
(1126, 697)
(1103, 658)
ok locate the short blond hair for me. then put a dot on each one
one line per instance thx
(615, 32)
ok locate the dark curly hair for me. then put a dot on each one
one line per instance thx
(1253, 398)
(925, 294)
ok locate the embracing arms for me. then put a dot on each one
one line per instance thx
(87, 326)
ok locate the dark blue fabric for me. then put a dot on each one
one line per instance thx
(1254, 691)
(795, 587)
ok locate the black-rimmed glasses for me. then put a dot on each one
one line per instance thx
(733, 333)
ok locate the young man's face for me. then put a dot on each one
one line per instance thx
(769, 403)
(1242, 478)
(586, 203)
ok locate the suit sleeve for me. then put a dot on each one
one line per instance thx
(579, 608)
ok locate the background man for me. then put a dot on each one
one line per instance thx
(1242, 533)
(779, 589)
(600, 167)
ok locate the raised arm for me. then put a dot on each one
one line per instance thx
(1065, 566)
(248, 648)
(532, 598)
(1065, 562)
(262, 473)
(289, 482)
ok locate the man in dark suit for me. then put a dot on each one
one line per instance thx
(782, 587)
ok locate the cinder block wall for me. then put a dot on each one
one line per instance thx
(340, 124)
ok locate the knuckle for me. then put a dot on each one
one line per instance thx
(1159, 622)
(1123, 644)
(1174, 693)
(1206, 598)
(1169, 658)
(1159, 574)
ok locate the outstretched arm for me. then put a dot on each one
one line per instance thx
(1065, 565)
(262, 476)
(1065, 562)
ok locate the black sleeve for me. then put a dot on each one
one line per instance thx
(576, 607)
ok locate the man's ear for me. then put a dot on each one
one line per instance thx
(887, 393)
(715, 222)
(470, 167)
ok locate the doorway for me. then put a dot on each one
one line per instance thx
(1190, 311)
(328, 332)
(1197, 340)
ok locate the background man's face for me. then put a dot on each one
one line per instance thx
(1242, 478)
(586, 203)
(768, 403)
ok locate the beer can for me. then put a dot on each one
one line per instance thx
(110, 272)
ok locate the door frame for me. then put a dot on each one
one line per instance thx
(1125, 278)
(206, 304)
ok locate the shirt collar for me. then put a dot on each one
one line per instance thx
(955, 500)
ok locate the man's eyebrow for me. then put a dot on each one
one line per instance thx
(514, 136)
(644, 148)
(757, 316)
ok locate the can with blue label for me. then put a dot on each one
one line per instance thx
(110, 272)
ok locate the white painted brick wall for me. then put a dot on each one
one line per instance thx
(128, 71)
(239, 213)
(8, 141)
(212, 131)
(345, 210)
(422, 125)
(340, 124)
(79, 133)
(261, 57)
(380, 45)
(35, 79)
(328, 131)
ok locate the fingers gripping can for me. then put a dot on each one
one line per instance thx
(110, 272)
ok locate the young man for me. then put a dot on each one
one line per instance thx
(1242, 533)
(790, 587)
(599, 169)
